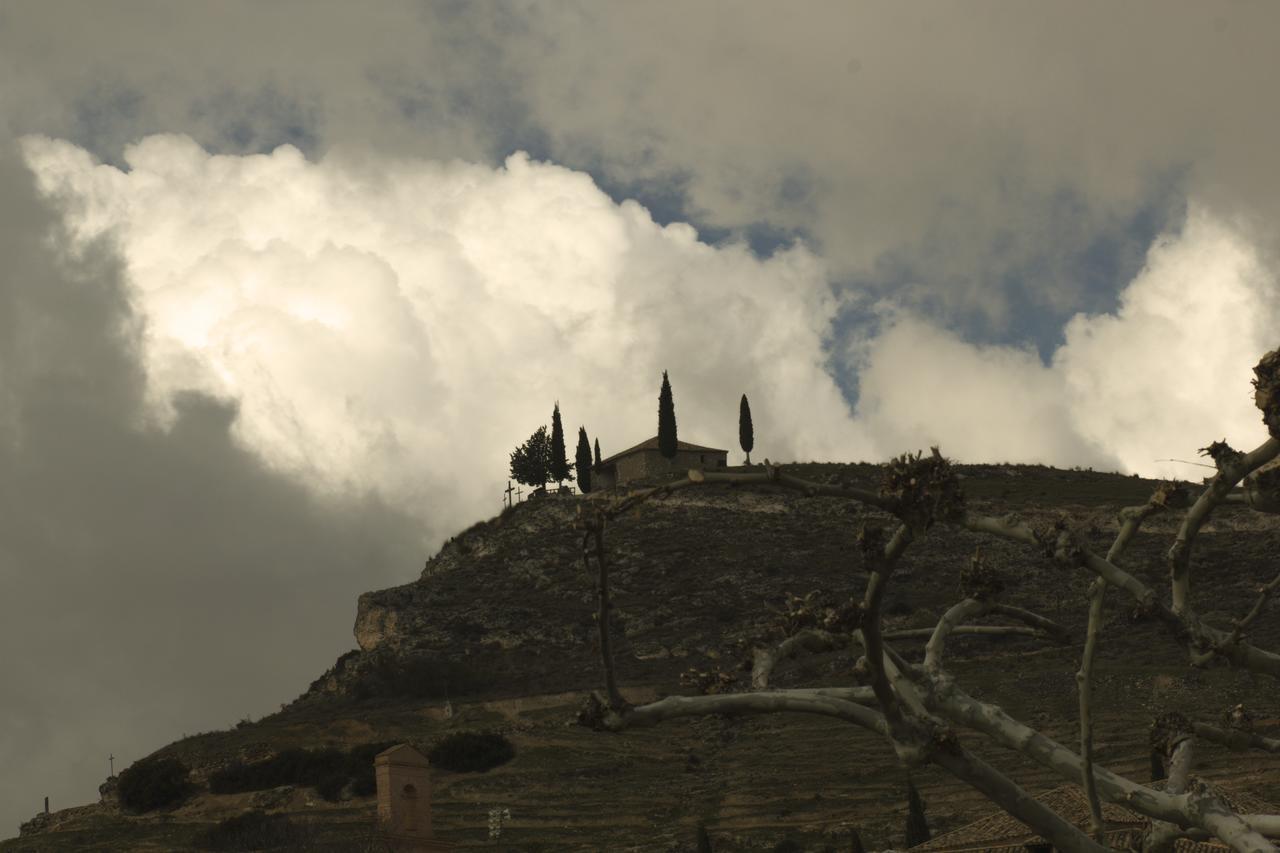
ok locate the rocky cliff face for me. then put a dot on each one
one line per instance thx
(508, 607)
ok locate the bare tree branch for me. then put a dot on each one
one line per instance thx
(1264, 594)
(880, 564)
(595, 534)
(959, 630)
(1034, 620)
(995, 723)
(912, 705)
(1236, 739)
(1097, 592)
(1233, 830)
(811, 639)
(1232, 468)
(1013, 799)
(1202, 641)
(969, 608)
(1173, 740)
(763, 702)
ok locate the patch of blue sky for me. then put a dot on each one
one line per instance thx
(1091, 265)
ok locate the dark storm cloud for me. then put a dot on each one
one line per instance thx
(151, 581)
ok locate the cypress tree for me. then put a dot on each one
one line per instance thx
(598, 462)
(917, 826)
(745, 436)
(666, 420)
(558, 467)
(583, 461)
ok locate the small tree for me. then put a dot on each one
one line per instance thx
(154, 783)
(745, 436)
(558, 465)
(667, 443)
(917, 826)
(598, 462)
(582, 461)
(531, 460)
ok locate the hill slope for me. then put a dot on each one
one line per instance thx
(501, 623)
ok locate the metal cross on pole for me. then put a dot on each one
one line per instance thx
(111, 759)
(509, 491)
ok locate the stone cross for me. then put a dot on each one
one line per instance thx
(112, 764)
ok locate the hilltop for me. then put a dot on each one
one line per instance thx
(500, 624)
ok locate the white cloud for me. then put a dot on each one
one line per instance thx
(922, 386)
(1171, 371)
(400, 325)
(1166, 375)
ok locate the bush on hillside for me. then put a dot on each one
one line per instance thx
(289, 767)
(327, 770)
(472, 752)
(253, 830)
(154, 783)
(331, 787)
(417, 677)
(360, 767)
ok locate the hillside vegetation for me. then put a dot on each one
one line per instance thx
(501, 623)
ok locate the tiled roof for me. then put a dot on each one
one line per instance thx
(652, 444)
(1000, 830)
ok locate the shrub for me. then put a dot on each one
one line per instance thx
(472, 752)
(290, 767)
(360, 767)
(328, 770)
(154, 783)
(330, 787)
(419, 677)
(253, 830)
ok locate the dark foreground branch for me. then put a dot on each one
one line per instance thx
(599, 715)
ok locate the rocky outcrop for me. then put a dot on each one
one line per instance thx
(507, 606)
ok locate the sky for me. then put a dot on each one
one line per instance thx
(284, 284)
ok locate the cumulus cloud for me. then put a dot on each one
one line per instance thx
(400, 325)
(1168, 373)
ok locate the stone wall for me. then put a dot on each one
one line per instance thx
(649, 463)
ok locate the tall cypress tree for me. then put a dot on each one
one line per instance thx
(559, 465)
(583, 461)
(917, 826)
(666, 420)
(598, 462)
(746, 437)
